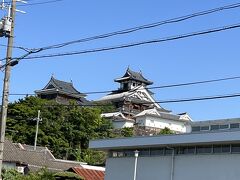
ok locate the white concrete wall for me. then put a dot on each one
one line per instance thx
(188, 128)
(122, 124)
(156, 122)
(186, 167)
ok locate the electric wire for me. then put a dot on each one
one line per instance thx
(193, 99)
(146, 26)
(148, 88)
(134, 29)
(122, 46)
(40, 3)
(36, 3)
(17, 47)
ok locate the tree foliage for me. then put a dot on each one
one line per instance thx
(66, 130)
(42, 174)
(166, 131)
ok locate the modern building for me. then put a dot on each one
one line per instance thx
(212, 155)
(62, 92)
(214, 125)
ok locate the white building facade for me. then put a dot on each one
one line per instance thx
(155, 119)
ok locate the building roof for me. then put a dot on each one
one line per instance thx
(61, 87)
(159, 113)
(36, 160)
(217, 121)
(132, 75)
(167, 140)
(10, 152)
(117, 116)
(88, 174)
(138, 95)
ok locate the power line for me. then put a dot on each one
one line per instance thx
(148, 88)
(37, 3)
(174, 85)
(129, 30)
(15, 61)
(146, 26)
(41, 3)
(194, 83)
(198, 98)
(17, 47)
(160, 101)
(122, 46)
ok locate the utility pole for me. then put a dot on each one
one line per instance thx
(5, 93)
(35, 142)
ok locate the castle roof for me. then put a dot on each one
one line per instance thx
(55, 85)
(132, 75)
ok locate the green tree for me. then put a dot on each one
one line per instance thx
(166, 131)
(127, 132)
(66, 130)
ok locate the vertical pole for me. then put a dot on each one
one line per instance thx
(35, 142)
(5, 93)
(172, 163)
(135, 164)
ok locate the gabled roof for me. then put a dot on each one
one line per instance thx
(38, 159)
(161, 114)
(61, 87)
(132, 75)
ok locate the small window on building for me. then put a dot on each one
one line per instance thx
(191, 150)
(195, 128)
(235, 148)
(234, 125)
(217, 149)
(182, 150)
(120, 154)
(144, 152)
(157, 152)
(125, 86)
(134, 84)
(204, 128)
(168, 151)
(204, 149)
(214, 127)
(226, 149)
(186, 150)
(114, 154)
(128, 153)
(224, 126)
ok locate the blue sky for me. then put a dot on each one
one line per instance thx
(193, 59)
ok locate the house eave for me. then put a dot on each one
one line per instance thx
(167, 140)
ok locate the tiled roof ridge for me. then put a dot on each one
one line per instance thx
(133, 73)
(54, 79)
(130, 74)
(56, 82)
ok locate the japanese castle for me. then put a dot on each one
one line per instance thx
(135, 105)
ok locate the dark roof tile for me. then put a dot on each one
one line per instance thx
(134, 76)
